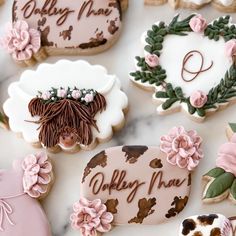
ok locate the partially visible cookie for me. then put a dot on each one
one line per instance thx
(66, 106)
(75, 27)
(20, 189)
(1, 2)
(3, 121)
(207, 225)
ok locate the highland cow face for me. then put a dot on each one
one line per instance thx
(67, 116)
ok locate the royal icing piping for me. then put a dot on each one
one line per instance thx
(47, 77)
(204, 81)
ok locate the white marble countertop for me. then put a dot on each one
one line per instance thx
(143, 126)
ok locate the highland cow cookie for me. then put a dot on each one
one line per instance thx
(191, 77)
(220, 182)
(208, 225)
(60, 27)
(20, 187)
(66, 106)
(222, 5)
(113, 193)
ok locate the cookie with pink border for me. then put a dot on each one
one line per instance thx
(182, 69)
(42, 28)
(114, 194)
(208, 225)
(20, 189)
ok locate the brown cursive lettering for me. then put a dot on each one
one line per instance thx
(49, 8)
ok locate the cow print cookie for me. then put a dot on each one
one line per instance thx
(220, 182)
(190, 77)
(207, 225)
(60, 27)
(20, 189)
(113, 194)
(66, 106)
(222, 5)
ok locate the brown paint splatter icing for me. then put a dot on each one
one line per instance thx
(137, 184)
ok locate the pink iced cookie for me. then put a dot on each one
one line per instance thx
(137, 184)
(19, 189)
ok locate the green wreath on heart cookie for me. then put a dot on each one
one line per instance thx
(151, 74)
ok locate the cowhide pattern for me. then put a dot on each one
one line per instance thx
(178, 204)
(132, 153)
(111, 205)
(156, 163)
(98, 160)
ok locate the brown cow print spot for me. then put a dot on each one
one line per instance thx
(198, 233)
(188, 225)
(215, 232)
(207, 219)
(66, 34)
(112, 28)
(145, 209)
(156, 163)
(179, 204)
(94, 42)
(132, 153)
(44, 37)
(111, 205)
(42, 22)
(99, 160)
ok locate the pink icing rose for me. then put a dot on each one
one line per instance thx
(61, 93)
(182, 148)
(76, 94)
(198, 99)
(227, 156)
(230, 48)
(91, 217)
(46, 95)
(88, 97)
(198, 24)
(152, 60)
(21, 41)
(37, 174)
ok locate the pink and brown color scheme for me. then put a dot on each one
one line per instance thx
(20, 189)
(159, 193)
(58, 27)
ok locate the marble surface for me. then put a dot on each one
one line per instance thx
(143, 126)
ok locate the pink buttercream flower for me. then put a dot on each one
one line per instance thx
(198, 99)
(88, 97)
(91, 217)
(230, 48)
(182, 148)
(37, 174)
(21, 41)
(61, 93)
(227, 156)
(152, 60)
(76, 94)
(198, 24)
(46, 95)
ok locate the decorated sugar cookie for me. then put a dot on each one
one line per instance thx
(222, 5)
(20, 189)
(113, 194)
(221, 180)
(66, 106)
(208, 225)
(181, 67)
(3, 121)
(42, 28)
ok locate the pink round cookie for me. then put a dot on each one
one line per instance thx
(19, 189)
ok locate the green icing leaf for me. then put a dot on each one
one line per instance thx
(233, 127)
(233, 189)
(220, 185)
(168, 103)
(216, 172)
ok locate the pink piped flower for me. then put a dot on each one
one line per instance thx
(37, 174)
(90, 217)
(198, 24)
(88, 97)
(182, 148)
(46, 95)
(198, 99)
(21, 41)
(230, 48)
(61, 93)
(152, 60)
(76, 94)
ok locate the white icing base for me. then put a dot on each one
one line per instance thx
(63, 74)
